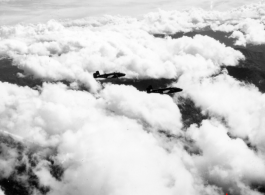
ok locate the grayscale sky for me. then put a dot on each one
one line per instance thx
(24, 11)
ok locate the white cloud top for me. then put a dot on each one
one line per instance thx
(21, 11)
(73, 51)
(115, 139)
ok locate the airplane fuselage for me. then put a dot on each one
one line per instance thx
(166, 90)
(110, 75)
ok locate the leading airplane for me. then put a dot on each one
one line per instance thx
(109, 75)
(164, 90)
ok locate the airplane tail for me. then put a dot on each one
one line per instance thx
(96, 74)
(149, 88)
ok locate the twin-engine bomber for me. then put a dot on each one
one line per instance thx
(164, 90)
(168, 90)
(108, 76)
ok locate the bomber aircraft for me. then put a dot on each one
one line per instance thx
(109, 75)
(164, 90)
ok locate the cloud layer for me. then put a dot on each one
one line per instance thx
(26, 11)
(99, 143)
(56, 51)
(115, 139)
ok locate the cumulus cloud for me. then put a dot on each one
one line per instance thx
(62, 51)
(7, 160)
(241, 105)
(240, 37)
(114, 139)
(237, 21)
(17, 11)
(112, 142)
(228, 162)
(159, 112)
(252, 32)
(112, 152)
(184, 21)
(100, 142)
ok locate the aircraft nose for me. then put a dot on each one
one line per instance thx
(179, 90)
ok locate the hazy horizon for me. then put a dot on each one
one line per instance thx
(26, 11)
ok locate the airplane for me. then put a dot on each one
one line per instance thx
(163, 91)
(109, 75)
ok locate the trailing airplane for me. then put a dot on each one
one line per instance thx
(163, 91)
(108, 76)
